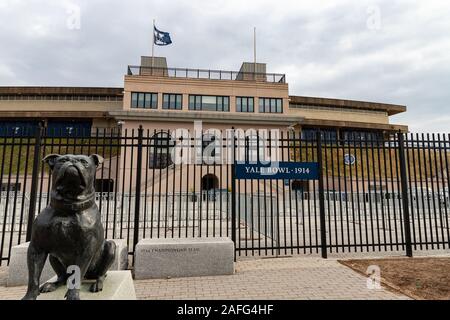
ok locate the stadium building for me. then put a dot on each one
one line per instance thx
(162, 99)
(159, 97)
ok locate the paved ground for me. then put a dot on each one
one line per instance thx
(274, 278)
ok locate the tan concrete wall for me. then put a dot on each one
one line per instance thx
(186, 179)
(167, 176)
(104, 123)
(341, 115)
(167, 125)
(59, 105)
(233, 89)
(186, 87)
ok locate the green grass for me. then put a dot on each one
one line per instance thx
(377, 162)
(16, 155)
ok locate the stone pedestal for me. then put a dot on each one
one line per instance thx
(121, 259)
(162, 258)
(18, 269)
(118, 285)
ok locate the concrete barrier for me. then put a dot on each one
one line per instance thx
(162, 258)
(121, 259)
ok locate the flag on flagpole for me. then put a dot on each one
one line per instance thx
(161, 38)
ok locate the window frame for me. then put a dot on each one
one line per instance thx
(196, 103)
(139, 100)
(172, 102)
(249, 107)
(270, 105)
(160, 153)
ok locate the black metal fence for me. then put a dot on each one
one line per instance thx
(374, 194)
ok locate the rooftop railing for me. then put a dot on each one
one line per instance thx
(205, 74)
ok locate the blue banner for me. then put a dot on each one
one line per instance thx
(278, 170)
(161, 38)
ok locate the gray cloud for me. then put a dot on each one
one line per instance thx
(326, 49)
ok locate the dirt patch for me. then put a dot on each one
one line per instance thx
(418, 278)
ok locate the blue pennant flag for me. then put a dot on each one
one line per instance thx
(161, 38)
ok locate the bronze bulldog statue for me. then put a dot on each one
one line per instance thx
(69, 230)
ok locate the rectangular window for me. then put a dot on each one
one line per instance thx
(209, 103)
(104, 185)
(279, 106)
(178, 102)
(144, 100)
(134, 103)
(372, 137)
(226, 104)
(141, 100)
(148, 101)
(273, 106)
(329, 136)
(172, 101)
(270, 105)
(11, 187)
(192, 102)
(198, 103)
(244, 104)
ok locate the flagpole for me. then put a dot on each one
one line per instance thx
(153, 42)
(254, 51)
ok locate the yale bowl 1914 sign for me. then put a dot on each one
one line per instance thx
(278, 170)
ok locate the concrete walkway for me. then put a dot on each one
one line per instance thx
(276, 278)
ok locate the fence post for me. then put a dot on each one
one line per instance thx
(34, 180)
(137, 202)
(323, 232)
(404, 186)
(233, 195)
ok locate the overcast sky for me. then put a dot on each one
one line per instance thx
(385, 51)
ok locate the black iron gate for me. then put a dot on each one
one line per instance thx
(374, 194)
